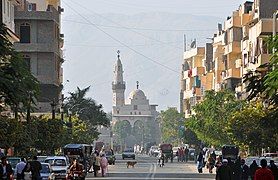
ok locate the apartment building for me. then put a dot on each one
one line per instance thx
(7, 17)
(37, 23)
(193, 69)
(237, 47)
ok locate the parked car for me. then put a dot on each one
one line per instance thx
(110, 157)
(41, 158)
(59, 165)
(46, 173)
(128, 153)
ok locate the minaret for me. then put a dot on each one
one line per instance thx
(118, 84)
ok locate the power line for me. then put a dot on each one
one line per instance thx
(120, 42)
(125, 27)
(143, 29)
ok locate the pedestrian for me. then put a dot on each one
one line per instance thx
(218, 163)
(6, 171)
(186, 153)
(245, 172)
(253, 168)
(263, 173)
(236, 169)
(272, 166)
(200, 161)
(36, 167)
(19, 169)
(180, 154)
(97, 164)
(103, 165)
(224, 172)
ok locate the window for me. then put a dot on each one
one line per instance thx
(130, 113)
(135, 113)
(27, 60)
(135, 107)
(139, 113)
(25, 33)
(32, 7)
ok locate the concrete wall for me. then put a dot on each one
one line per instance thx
(267, 8)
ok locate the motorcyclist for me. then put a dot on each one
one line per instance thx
(76, 170)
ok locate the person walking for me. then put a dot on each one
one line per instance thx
(19, 169)
(218, 163)
(97, 164)
(103, 165)
(272, 166)
(6, 171)
(263, 173)
(186, 153)
(224, 172)
(200, 162)
(245, 172)
(36, 167)
(253, 168)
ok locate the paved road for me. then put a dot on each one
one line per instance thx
(147, 168)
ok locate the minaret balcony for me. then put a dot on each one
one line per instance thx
(119, 85)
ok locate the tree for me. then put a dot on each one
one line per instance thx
(18, 87)
(210, 118)
(122, 129)
(171, 122)
(254, 127)
(90, 115)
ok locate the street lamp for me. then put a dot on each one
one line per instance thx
(53, 107)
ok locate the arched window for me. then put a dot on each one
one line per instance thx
(25, 33)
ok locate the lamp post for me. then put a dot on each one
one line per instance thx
(53, 107)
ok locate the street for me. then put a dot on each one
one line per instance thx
(147, 168)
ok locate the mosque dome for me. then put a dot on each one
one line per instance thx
(137, 94)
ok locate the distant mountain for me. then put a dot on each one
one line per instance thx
(90, 54)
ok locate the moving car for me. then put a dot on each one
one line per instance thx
(128, 153)
(110, 157)
(59, 165)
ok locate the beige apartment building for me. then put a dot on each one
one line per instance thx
(237, 47)
(38, 24)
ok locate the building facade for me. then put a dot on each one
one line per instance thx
(238, 47)
(7, 17)
(37, 23)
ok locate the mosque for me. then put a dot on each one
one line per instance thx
(134, 109)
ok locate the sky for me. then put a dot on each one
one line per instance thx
(220, 8)
(75, 37)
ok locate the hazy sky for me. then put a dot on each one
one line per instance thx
(84, 51)
(220, 8)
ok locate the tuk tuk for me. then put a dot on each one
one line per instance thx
(230, 151)
(82, 152)
(167, 150)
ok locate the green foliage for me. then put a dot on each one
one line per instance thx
(254, 127)
(18, 87)
(171, 122)
(211, 116)
(90, 115)
(122, 129)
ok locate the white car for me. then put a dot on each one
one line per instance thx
(46, 173)
(59, 165)
(154, 151)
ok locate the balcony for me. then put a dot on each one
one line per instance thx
(234, 21)
(194, 52)
(187, 94)
(264, 27)
(233, 73)
(36, 47)
(233, 47)
(198, 71)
